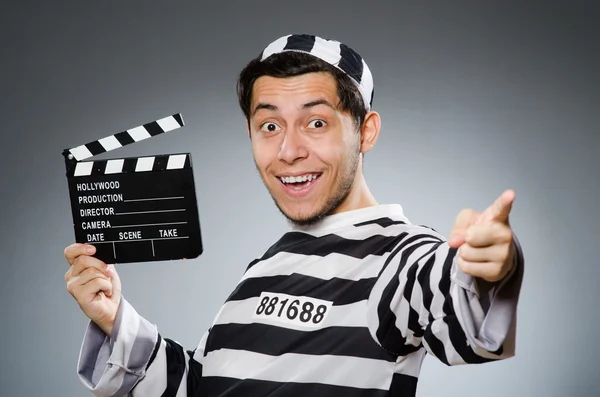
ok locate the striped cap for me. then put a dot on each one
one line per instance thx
(333, 52)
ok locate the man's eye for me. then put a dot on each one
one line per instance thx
(270, 127)
(318, 123)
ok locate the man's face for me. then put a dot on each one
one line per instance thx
(305, 149)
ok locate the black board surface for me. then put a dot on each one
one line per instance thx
(135, 209)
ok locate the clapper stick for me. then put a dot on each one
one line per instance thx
(135, 209)
(124, 138)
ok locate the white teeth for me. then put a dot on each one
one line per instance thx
(297, 179)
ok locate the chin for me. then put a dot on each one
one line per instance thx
(311, 210)
(307, 219)
(306, 215)
(301, 214)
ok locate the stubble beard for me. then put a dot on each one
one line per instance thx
(340, 193)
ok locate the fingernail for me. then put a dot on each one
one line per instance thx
(90, 250)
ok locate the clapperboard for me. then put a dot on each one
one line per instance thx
(135, 209)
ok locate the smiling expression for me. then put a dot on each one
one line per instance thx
(306, 150)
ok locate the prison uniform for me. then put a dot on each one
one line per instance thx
(349, 307)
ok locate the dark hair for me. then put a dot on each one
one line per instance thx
(294, 63)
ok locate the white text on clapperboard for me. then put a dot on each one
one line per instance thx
(108, 211)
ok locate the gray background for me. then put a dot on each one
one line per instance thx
(475, 97)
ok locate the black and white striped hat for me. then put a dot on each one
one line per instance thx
(333, 52)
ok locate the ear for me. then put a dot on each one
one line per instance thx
(370, 131)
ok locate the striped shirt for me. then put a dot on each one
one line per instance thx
(349, 307)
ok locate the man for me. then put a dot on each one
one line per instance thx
(352, 298)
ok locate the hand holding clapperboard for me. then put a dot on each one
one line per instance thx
(135, 209)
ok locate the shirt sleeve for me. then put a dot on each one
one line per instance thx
(423, 300)
(136, 361)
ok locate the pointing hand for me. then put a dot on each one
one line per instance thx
(485, 240)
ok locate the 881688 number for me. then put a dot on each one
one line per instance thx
(292, 309)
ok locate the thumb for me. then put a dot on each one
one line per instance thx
(464, 219)
(116, 282)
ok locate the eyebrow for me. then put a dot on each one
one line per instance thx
(307, 105)
(318, 102)
(267, 106)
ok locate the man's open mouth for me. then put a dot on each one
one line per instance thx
(299, 181)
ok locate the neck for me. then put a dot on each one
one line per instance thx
(359, 197)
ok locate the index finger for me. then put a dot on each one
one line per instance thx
(500, 209)
(84, 262)
(75, 250)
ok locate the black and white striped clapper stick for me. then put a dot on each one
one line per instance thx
(135, 209)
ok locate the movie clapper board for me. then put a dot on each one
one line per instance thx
(135, 209)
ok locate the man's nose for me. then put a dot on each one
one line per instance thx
(293, 147)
